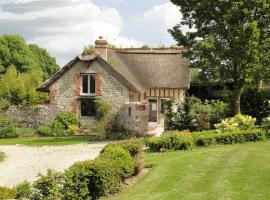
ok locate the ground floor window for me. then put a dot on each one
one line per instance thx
(88, 107)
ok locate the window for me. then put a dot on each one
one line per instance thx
(88, 84)
(88, 108)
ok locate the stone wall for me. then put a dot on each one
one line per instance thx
(66, 90)
(134, 116)
(31, 117)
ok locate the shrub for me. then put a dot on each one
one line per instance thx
(207, 138)
(57, 128)
(204, 138)
(23, 190)
(7, 193)
(73, 128)
(48, 186)
(92, 179)
(4, 122)
(44, 131)
(171, 141)
(239, 136)
(193, 114)
(26, 132)
(66, 119)
(122, 158)
(238, 122)
(266, 126)
(133, 146)
(103, 109)
(9, 131)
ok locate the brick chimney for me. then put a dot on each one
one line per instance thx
(101, 47)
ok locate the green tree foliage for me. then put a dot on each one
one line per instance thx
(14, 51)
(20, 89)
(44, 60)
(230, 40)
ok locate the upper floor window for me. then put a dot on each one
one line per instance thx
(88, 84)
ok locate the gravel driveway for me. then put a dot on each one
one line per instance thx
(24, 163)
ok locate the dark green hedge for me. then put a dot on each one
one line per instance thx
(172, 141)
(208, 138)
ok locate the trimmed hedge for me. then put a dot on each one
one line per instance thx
(92, 179)
(121, 156)
(171, 141)
(208, 138)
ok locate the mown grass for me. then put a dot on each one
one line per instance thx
(2, 156)
(238, 172)
(48, 141)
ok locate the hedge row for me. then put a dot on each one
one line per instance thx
(90, 179)
(172, 141)
(207, 138)
(177, 141)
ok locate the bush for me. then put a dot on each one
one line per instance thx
(9, 132)
(238, 122)
(66, 119)
(135, 148)
(7, 193)
(23, 190)
(193, 114)
(266, 126)
(49, 186)
(26, 132)
(92, 179)
(240, 136)
(73, 128)
(204, 138)
(122, 158)
(4, 122)
(170, 141)
(207, 138)
(44, 131)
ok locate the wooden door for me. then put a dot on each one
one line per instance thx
(153, 108)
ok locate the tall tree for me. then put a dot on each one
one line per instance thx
(228, 40)
(43, 59)
(14, 51)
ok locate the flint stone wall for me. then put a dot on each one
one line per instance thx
(31, 117)
(134, 116)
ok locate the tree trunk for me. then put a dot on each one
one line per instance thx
(237, 100)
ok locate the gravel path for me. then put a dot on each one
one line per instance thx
(24, 163)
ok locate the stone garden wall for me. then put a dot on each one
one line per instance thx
(31, 116)
(134, 116)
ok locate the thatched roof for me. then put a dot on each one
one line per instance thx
(152, 68)
(138, 69)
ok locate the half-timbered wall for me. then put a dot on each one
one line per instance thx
(159, 93)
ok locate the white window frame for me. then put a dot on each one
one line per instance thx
(89, 86)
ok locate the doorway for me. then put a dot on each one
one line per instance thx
(153, 110)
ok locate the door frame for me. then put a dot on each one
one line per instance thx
(156, 99)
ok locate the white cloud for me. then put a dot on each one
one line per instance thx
(168, 14)
(63, 27)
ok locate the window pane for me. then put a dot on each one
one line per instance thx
(85, 84)
(92, 84)
(88, 108)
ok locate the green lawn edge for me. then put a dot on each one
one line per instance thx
(48, 141)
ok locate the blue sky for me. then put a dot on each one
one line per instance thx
(64, 27)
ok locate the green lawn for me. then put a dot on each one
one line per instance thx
(48, 141)
(2, 156)
(232, 172)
